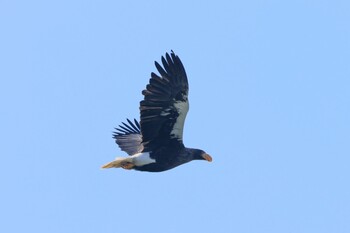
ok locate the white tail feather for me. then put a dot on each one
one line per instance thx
(118, 162)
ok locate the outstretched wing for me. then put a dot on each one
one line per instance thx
(165, 104)
(128, 137)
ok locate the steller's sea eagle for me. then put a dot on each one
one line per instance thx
(155, 144)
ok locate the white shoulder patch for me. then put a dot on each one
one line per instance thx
(141, 159)
(182, 108)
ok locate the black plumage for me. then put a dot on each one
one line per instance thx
(156, 143)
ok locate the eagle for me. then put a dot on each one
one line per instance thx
(155, 144)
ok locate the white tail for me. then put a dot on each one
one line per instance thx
(118, 162)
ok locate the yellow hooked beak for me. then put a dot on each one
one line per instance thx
(207, 157)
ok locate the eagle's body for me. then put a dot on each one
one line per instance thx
(156, 144)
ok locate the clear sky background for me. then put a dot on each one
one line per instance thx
(270, 101)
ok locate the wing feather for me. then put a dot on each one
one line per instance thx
(128, 137)
(165, 105)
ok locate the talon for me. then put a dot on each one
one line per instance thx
(127, 165)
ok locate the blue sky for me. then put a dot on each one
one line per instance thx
(269, 100)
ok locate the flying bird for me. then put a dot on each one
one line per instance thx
(155, 144)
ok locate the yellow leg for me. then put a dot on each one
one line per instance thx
(127, 165)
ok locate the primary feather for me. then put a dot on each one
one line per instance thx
(128, 137)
